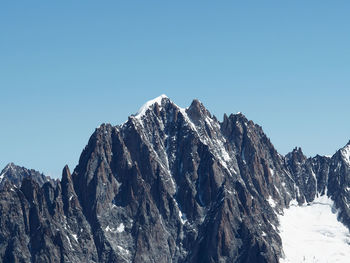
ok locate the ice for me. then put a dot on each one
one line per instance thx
(1, 177)
(312, 233)
(148, 104)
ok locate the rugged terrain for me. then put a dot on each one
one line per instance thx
(168, 185)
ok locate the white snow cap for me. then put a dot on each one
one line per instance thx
(150, 103)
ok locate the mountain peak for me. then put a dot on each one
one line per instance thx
(9, 167)
(149, 104)
(297, 150)
(197, 109)
(296, 156)
(66, 172)
(15, 174)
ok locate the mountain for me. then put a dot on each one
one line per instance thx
(15, 174)
(169, 185)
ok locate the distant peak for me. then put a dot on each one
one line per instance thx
(149, 104)
(239, 113)
(298, 150)
(239, 116)
(296, 155)
(196, 104)
(9, 166)
(197, 110)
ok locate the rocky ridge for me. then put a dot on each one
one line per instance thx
(168, 185)
(15, 174)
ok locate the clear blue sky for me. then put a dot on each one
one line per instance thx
(67, 66)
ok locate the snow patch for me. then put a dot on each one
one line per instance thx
(148, 104)
(271, 202)
(123, 250)
(108, 229)
(345, 152)
(69, 243)
(217, 145)
(312, 233)
(182, 217)
(188, 120)
(75, 237)
(120, 228)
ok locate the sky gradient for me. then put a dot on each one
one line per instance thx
(68, 66)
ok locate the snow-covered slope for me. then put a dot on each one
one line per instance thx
(141, 112)
(312, 233)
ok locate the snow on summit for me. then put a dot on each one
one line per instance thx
(148, 104)
(312, 233)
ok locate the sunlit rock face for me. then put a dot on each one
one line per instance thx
(171, 184)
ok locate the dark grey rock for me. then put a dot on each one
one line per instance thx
(169, 185)
(15, 174)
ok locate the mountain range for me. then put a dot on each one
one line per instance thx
(168, 185)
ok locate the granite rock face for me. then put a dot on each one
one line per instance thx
(168, 185)
(15, 174)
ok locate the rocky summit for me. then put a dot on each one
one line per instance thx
(15, 174)
(168, 185)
